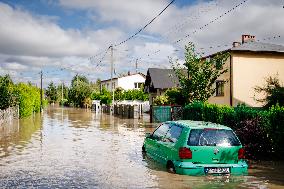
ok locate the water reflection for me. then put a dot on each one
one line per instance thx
(71, 148)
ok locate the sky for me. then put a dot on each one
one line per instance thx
(63, 38)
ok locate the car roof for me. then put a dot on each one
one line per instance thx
(199, 124)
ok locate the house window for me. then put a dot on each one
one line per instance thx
(113, 85)
(137, 85)
(220, 88)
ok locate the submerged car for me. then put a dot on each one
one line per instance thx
(196, 148)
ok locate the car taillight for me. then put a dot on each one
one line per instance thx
(241, 153)
(185, 153)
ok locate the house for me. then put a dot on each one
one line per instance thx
(250, 62)
(127, 82)
(158, 81)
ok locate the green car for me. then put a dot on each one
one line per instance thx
(196, 148)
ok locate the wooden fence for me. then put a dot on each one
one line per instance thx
(9, 114)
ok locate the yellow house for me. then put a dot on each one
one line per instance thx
(250, 62)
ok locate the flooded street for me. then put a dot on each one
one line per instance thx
(76, 148)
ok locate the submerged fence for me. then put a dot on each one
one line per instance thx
(9, 114)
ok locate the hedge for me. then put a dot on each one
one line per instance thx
(260, 131)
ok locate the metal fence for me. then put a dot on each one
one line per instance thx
(165, 113)
(9, 114)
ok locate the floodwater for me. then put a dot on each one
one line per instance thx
(76, 148)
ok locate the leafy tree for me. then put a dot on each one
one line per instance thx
(197, 75)
(51, 92)
(28, 99)
(273, 92)
(77, 78)
(7, 98)
(96, 95)
(59, 92)
(96, 86)
(79, 91)
(119, 93)
(175, 96)
(106, 96)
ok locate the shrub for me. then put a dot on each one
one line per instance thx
(194, 111)
(28, 97)
(260, 131)
(161, 100)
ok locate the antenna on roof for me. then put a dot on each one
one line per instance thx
(136, 65)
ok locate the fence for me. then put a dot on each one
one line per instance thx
(9, 114)
(165, 113)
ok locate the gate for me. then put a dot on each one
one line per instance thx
(165, 113)
(160, 114)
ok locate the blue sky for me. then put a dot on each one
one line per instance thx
(58, 36)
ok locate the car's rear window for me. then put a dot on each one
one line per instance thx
(212, 137)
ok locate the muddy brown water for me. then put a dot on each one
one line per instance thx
(76, 148)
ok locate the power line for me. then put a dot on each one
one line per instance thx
(139, 31)
(143, 28)
(212, 21)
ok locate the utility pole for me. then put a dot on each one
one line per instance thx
(136, 65)
(111, 73)
(62, 92)
(41, 91)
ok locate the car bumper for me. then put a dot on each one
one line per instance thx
(188, 168)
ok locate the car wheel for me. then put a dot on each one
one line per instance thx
(171, 167)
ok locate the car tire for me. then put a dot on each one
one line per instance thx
(171, 167)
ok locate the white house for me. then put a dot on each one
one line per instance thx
(127, 82)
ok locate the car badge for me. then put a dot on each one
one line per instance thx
(216, 151)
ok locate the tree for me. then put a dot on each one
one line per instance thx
(80, 90)
(273, 92)
(174, 96)
(51, 92)
(106, 97)
(7, 98)
(197, 75)
(78, 78)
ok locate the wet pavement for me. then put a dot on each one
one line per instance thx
(77, 148)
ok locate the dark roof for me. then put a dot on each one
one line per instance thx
(258, 47)
(253, 46)
(162, 78)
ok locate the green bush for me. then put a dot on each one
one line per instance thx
(257, 128)
(28, 98)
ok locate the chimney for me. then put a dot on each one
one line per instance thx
(246, 38)
(236, 44)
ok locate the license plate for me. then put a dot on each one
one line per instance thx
(217, 170)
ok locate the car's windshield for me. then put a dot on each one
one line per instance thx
(212, 137)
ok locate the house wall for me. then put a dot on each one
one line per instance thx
(127, 82)
(224, 100)
(107, 84)
(249, 71)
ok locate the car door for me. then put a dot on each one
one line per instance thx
(168, 148)
(154, 142)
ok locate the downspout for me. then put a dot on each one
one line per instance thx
(231, 80)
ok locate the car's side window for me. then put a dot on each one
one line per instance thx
(161, 131)
(173, 134)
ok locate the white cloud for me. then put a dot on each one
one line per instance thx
(34, 42)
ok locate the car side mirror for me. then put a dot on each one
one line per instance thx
(148, 135)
